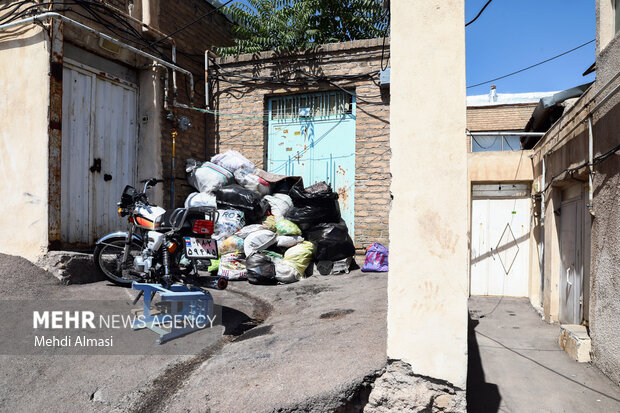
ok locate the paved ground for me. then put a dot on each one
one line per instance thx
(275, 342)
(516, 365)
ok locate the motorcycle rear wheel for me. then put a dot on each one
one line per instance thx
(107, 259)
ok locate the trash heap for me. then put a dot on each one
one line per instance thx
(270, 229)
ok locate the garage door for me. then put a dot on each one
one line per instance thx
(313, 136)
(500, 229)
(99, 138)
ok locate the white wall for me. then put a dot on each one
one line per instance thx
(24, 104)
(428, 282)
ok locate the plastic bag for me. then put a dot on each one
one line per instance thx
(376, 258)
(286, 227)
(237, 197)
(270, 223)
(299, 256)
(261, 267)
(247, 230)
(287, 241)
(232, 267)
(317, 194)
(332, 241)
(310, 215)
(197, 199)
(286, 274)
(279, 204)
(279, 184)
(247, 179)
(208, 177)
(231, 244)
(228, 222)
(232, 160)
(258, 240)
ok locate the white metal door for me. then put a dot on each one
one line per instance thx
(571, 268)
(499, 247)
(98, 152)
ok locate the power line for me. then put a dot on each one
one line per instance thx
(191, 23)
(532, 66)
(479, 13)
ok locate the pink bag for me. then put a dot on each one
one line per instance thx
(376, 258)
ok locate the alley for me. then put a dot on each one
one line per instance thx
(516, 364)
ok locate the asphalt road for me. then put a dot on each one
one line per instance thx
(305, 346)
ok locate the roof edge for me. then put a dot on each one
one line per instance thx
(323, 48)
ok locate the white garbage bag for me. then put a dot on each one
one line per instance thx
(280, 204)
(258, 240)
(197, 199)
(209, 177)
(232, 160)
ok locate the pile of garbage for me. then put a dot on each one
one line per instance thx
(270, 228)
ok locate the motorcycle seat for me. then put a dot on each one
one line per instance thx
(172, 217)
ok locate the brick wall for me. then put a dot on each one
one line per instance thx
(508, 117)
(213, 31)
(241, 104)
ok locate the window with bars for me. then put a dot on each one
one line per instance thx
(317, 105)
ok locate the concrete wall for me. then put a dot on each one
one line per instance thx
(428, 285)
(24, 102)
(241, 125)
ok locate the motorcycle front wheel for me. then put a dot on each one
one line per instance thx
(108, 259)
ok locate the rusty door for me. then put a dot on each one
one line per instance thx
(98, 152)
(313, 136)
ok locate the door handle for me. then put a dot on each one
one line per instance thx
(96, 166)
(568, 281)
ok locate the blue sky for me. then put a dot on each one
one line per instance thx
(513, 34)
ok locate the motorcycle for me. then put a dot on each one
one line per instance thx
(161, 246)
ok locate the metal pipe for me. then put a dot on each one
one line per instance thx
(207, 79)
(54, 15)
(542, 231)
(590, 166)
(505, 133)
(174, 77)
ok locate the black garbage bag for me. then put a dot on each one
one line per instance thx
(317, 194)
(332, 241)
(261, 269)
(309, 215)
(245, 200)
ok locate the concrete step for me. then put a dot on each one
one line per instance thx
(575, 341)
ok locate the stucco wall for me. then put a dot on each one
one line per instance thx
(499, 166)
(605, 255)
(24, 102)
(566, 146)
(428, 285)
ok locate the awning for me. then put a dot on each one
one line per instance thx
(547, 112)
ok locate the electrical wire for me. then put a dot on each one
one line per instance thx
(479, 13)
(532, 66)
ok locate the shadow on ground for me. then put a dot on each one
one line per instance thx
(482, 397)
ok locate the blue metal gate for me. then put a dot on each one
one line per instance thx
(313, 136)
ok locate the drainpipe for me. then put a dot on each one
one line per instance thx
(542, 230)
(173, 168)
(590, 167)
